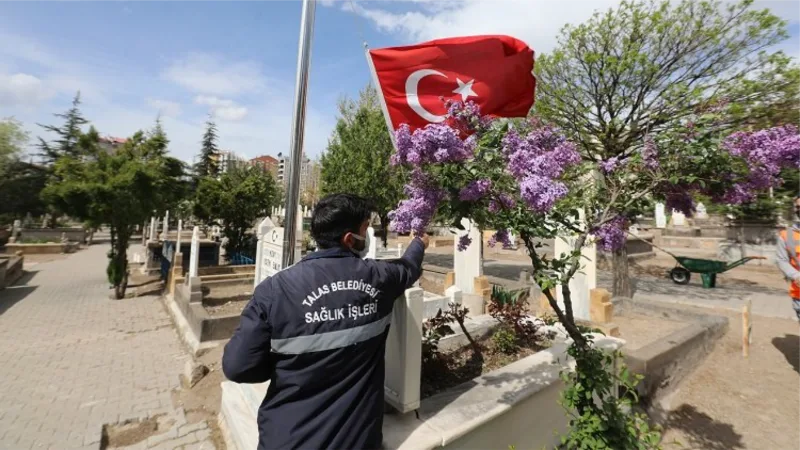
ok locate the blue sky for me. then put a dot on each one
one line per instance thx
(237, 60)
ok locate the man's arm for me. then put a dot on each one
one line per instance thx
(782, 260)
(402, 273)
(246, 358)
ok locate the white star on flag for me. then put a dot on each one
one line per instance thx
(465, 89)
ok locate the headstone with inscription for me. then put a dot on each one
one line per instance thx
(269, 251)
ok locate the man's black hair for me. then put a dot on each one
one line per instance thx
(336, 215)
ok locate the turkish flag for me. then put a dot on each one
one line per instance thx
(495, 72)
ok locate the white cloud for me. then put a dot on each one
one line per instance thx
(165, 107)
(536, 22)
(206, 73)
(222, 108)
(22, 89)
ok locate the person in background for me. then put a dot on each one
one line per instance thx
(788, 256)
(317, 331)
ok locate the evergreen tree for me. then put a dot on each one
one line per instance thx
(120, 189)
(207, 164)
(357, 160)
(66, 143)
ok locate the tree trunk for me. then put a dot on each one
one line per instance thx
(622, 280)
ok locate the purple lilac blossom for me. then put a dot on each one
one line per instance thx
(610, 164)
(680, 201)
(475, 190)
(611, 235)
(501, 236)
(766, 152)
(541, 193)
(466, 116)
(464, 242)
(435, 143)
(502, 201)
(417, 211)
(650, 154)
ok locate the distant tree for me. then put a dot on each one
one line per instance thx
(68, 134)
(357, 160)
(120, 189)
(646, 67)
(235, 201)
(20, 188)
(12, 140)
(207, 163)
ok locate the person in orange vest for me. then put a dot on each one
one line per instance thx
(788, 256)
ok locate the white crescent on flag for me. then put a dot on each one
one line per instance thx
(412, 83)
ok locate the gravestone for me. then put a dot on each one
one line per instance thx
(585, 278)
(166, 226)
(661, 216)
(45, 220)
(178, 238)
(152, 233)
(403, 355)
(194, 257)
(701, 211)
(269, 251)
(372, 252)
(634, 230)
(468, 264)
(15, 231)
(678, 219)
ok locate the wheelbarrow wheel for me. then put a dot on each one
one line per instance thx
(680, 275)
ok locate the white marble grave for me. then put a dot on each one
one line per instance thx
(661, 216)
(194, 257)
(468, 264)
(678, 219)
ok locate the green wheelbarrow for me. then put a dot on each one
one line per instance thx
(707, 268)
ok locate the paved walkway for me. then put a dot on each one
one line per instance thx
(74, 360)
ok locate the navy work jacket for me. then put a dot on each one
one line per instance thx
(317, 331)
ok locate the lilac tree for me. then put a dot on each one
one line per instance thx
(526, 177)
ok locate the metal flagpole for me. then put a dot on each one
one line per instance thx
(298, 127)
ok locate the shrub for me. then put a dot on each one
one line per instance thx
(510, 308)
(505, 340)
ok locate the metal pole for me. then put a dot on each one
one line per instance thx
(298, 127)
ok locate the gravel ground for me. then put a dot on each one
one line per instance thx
(732, 402)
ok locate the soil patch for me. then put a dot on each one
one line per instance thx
(449, 369)
(228, 308)
(732, 402)
(201, 402)
(131, 432)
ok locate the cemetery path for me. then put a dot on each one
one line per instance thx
(74, 360)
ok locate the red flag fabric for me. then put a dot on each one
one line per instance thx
(496, 72)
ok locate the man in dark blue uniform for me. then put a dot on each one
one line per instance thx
(317, 331)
